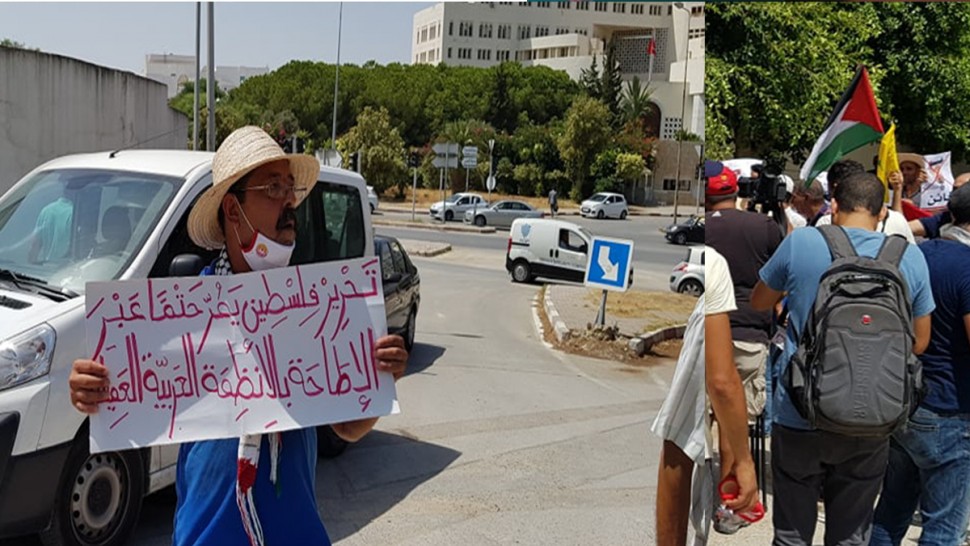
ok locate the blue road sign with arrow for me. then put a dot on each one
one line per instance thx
(609, 264)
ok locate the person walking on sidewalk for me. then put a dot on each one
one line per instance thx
(806, 463)
(929, 459)
(553, 202)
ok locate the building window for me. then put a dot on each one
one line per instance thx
(485, 30)
(696, 33)
(424, 35)
(696, 11)
(656, 10)
(561, 30)
(432, 34)
(525, 32)
(504, 32)
(484, 54)
(636, 9)
(619, 7)
(669, 128)
(542, 31)
(543, 4)
(465, 29)
(582, 5)
(599, 6)
(670, 10)
(451, 28)
(502, 55)
(668, 185)
(449, 52)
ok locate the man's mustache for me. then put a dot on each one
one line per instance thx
(288, 217)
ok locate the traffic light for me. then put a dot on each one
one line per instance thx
(414, 160)
(352, 162)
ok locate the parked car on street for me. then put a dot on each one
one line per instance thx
(688, 231)
(456, 206)
(372, 198)
(604, 205)
(129, 211)
(688, 276)
(402, 297)
(501, 214)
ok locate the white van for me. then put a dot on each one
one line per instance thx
(552, 249)
(98, 217)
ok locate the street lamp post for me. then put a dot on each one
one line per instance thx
(336, 83)
(683, 107)
(195, 98)
(210, 84)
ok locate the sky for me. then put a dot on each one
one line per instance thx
(120, 34)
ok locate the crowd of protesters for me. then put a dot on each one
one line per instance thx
(762, 279)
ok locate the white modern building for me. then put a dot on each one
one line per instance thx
(568, 36)
(176, 70)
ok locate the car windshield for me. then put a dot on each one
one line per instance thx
(453, 198)
(68, 227)
(598, 198)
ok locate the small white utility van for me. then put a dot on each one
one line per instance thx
(552, 249)
(107, 216)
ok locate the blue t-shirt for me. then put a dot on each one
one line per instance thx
(207, 513)
(797, 267)
(205, 482)
(946, 362)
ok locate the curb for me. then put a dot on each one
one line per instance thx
(558, 325)
(431, 253)
(434, 227)
(663, 334)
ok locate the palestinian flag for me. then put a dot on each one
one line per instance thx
(854, 124)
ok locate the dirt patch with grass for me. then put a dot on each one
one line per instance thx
(607, 346)
(647, 311)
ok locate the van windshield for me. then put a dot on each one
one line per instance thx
(68, 227)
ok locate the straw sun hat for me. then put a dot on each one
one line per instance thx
(242, 151)
(910, 158)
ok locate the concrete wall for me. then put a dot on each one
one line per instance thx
(52, 106)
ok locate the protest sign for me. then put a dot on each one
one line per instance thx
(939, 182)
(222, 356)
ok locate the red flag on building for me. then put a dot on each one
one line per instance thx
(651, 52)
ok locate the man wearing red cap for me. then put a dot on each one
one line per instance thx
(746, 240)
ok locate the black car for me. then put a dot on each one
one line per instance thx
(402, 296)
(688, 231)
(402, 288)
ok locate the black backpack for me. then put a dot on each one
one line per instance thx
(854, 371)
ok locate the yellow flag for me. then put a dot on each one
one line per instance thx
(888, 161)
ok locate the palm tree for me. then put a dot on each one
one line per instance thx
(635, 101)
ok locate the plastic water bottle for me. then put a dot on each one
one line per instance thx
(726, 521)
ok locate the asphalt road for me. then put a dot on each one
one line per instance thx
(500, 439)
(650, 250)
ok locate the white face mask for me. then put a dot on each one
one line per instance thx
(263, 253)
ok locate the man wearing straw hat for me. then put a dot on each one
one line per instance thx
(257, 489)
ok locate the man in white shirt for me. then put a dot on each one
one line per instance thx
(705, 370)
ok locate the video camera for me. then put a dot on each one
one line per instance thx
(764, 188)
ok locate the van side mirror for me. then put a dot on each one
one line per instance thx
(186, 265)
(393, 277)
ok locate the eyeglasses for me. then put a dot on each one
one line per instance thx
(277, 190)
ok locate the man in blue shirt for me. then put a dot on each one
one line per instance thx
(807, 463)
(259, 489)
(929, 227)
(929, 459)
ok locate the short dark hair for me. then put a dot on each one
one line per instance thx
(959, 205)
(238, 189)
(842, 169)
(860, 191)
(814, 191)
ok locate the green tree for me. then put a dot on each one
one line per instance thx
(586, 133)
(589, 80)
(635, 102)
(611, 84)
(381, 147)
(769, 94)
(501, 113)
(630, 168)
(7, 42)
